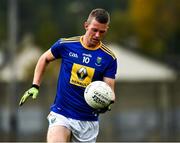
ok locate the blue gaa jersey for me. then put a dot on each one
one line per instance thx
(79, 67)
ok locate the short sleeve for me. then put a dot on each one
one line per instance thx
(111, 70)
(56, 49)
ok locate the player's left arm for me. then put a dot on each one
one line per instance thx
(111, 83)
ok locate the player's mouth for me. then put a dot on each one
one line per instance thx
(95, 40)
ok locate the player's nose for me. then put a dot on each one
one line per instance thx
(97, 34)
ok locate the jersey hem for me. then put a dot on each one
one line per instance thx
(76, 118)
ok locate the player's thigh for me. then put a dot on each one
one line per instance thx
(58, 134)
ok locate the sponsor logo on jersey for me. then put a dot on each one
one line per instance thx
(87, 55)
(81, 75)
(71, 54)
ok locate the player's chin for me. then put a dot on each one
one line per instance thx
(95, 42)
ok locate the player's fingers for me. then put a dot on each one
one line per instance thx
(21, 101)
(112, 102)
(109, 108)
(34, 96)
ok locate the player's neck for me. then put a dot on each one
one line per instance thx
(87, 44)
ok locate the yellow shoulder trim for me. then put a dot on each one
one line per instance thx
(108, 51)
(71, 39)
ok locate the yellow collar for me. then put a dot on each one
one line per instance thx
(89, 48)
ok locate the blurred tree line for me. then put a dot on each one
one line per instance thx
(151, 27)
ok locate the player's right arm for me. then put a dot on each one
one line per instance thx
(41, 66)
(38, 74)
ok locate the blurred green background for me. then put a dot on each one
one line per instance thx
(145, 36)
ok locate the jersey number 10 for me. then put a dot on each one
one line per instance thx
(86, 60)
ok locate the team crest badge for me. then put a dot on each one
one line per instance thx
(98, 61)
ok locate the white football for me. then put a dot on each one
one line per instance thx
(98, 94)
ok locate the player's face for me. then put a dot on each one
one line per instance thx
(95, 31)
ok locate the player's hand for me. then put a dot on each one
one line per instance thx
(33, 92)
(103, 110)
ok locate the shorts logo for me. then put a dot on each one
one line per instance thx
(53, 120)
(81, 75)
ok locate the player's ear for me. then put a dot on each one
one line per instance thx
(86, 25)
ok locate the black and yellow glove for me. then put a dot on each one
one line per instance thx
(33, 92)
(103, 110)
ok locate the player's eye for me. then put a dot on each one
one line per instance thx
(94, 30)
(102, 31)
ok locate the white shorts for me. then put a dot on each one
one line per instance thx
(82, 131)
